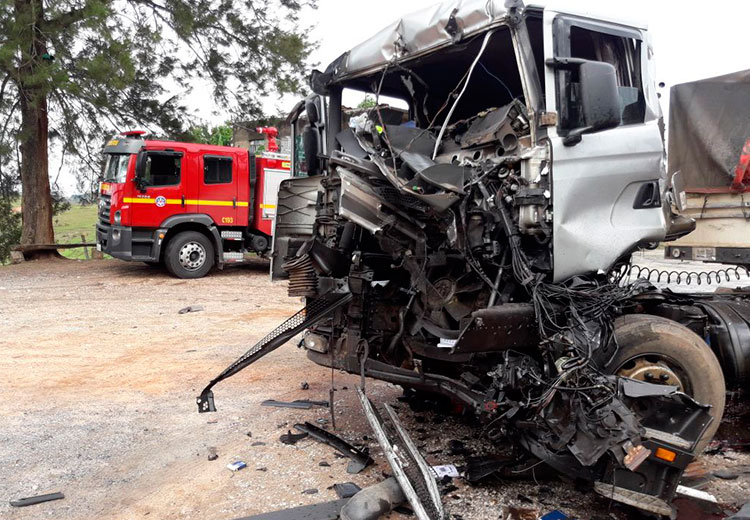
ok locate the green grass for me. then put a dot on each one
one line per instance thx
(70, 225)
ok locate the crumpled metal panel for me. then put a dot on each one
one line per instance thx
(420, 31)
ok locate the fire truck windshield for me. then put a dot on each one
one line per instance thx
(116, 168)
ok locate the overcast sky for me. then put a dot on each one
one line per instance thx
(692, 40)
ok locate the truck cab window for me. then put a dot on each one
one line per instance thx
(624, 54)
(162, 169)
(116, 167)
(217, 170)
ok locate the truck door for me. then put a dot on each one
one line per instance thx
(164, 187)
(607, 184)
(217, 194)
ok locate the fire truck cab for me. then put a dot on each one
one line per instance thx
(187, 206)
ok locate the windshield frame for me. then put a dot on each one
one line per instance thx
(116, 167)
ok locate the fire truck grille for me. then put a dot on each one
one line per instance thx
(105, 202)
(303, 280)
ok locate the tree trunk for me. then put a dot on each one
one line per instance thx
(36, 196)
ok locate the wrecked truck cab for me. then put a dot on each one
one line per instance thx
(464, 246)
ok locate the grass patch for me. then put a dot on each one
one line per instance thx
(71, 224)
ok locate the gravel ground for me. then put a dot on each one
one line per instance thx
(102, 373)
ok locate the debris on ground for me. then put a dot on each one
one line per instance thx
(519, 513)
(359, 458)
(448, 470)
(555, 515)
(324, 511)
(411, 471)
(346, 489)
(292, 438)
(311, 491)
(304, 385)
(191, 308)
(742, 514)
(374, 501)
(28, 501)
(302, 404)
(212, 454)
(236, 466)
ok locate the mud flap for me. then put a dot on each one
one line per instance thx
(415, 477)
(316, 310)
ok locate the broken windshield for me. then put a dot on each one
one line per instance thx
(431, 82)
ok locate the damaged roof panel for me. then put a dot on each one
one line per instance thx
(419, 32)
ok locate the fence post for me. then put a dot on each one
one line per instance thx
(85, 249)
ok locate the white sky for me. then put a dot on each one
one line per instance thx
(692, 40)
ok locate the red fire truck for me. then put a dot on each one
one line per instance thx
(187, 206)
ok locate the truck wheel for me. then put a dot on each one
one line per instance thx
(189, 255)
(658, 350)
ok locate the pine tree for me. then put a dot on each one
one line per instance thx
(73, 70)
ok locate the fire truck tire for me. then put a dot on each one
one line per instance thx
(189, 254)
(656, 349)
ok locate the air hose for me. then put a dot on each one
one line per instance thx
(654, 275)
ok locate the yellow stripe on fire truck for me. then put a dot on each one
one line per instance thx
(143, 200)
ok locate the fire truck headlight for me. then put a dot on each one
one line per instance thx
(118, 218)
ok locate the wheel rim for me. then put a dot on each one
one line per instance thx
(657, 369)
(192, 256)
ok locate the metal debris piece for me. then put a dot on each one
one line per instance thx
(697, 494)
(191, 308)
(292, 438)
(28, 501)
(305, 385)
(324, 511)
(635, 455)
(346, 490)
(360, 459)
(412, 472)
(301, 404)
(311, 491)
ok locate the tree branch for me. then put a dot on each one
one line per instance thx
(65, 20)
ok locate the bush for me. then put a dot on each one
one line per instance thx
(10, 229)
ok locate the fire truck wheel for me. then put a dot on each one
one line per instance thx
(189, 255)
(658, 350)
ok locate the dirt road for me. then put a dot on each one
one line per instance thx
(100, 375)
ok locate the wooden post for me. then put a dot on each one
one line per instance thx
(85, 249)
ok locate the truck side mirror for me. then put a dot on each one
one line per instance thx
(311, 148)
(597, 100)
(140, 169)
(600, 99)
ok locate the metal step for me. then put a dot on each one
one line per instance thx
(233, 257)
(232, 235)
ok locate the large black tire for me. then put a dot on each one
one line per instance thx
(189, 254)
(656, 349)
